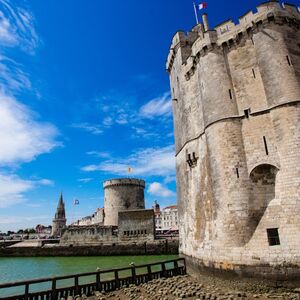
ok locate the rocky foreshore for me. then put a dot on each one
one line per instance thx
(186, 287)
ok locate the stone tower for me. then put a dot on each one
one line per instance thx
(59, 221)
(122, 195)
(236, 104)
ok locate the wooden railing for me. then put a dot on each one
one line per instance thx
(156, 270)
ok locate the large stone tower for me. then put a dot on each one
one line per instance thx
(122, 195)
(236, 103)
(59, 221)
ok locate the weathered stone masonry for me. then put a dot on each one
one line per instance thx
(236, 103)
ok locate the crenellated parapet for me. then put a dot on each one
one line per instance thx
(197, 43)
(124, 182)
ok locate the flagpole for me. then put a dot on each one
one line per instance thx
(196, 15)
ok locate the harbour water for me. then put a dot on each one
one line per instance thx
(26, 268)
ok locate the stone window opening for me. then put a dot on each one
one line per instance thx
(237, 172)
(288, 60)
(266, 145)
(253, 72)
(247, 112)
(273, 236)
(230, 94)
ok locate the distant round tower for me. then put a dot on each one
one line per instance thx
(121, 195)
(59, 221)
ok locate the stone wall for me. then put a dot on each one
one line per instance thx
(143, 248)
(85, 235)
(236, 103)
(136, 225)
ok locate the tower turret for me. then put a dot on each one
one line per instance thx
(59, 221)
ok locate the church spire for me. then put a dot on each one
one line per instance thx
(59, 221)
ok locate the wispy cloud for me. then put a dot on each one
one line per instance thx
(85, 180)
(17, 27)
(157, 107)
(144, 162)
(12, 189)
(46, 182)
(91, 128)
(100, 154)
(157, 189)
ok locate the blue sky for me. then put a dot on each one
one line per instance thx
(83, 96)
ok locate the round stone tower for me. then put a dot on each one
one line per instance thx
(121, 195)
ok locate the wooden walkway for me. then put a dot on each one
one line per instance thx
(87, 283)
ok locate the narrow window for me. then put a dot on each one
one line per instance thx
(124, 233)
(273, 236)
(145, 231)
(266, 145)
(253, 72)
(230, 93)
(237, 172)
(247, 113)
(288, 60)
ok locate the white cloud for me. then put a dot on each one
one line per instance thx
(91, 128)
(100, 154)
(85, 180)
(17, 27)
(145, 162)
(12, 78)
(46, 182)
(21, 137)
(107, 122)
(157, 189)
(157, 107)
(12, 189)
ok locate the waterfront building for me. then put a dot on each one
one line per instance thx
(41, 229)
(166, 219)
(236, 104)
(96, 218)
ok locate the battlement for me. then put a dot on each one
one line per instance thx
(198, 41)
(124, 181)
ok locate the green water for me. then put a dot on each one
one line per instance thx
(26, 268)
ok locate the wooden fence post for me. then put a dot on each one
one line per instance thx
(98, 282)
(163, 268)
(117, 282)
(76, 282)
(133, 274)
(26, 291)
(149, 273)
(53, 296)
(176, 267)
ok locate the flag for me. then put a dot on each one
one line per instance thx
(202, 6)
(76, 202)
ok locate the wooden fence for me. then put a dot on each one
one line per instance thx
(98, 282)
